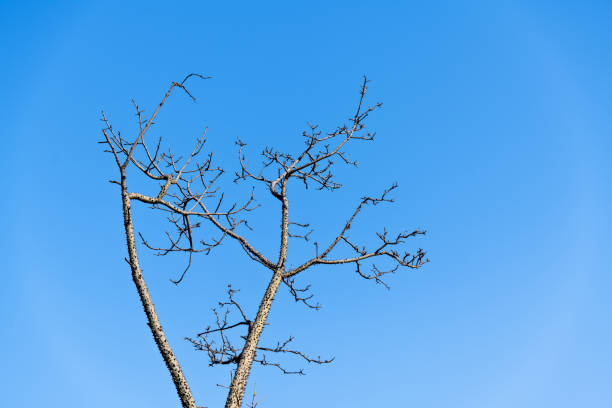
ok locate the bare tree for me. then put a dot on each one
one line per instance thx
(189, 196)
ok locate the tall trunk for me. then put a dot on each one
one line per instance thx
(236, 393)
(182, 388)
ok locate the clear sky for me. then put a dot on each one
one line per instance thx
(495, 123)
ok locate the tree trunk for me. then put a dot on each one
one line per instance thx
(182, 388)
(236, 393)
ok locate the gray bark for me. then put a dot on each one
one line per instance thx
(236, 393)
(182, 388)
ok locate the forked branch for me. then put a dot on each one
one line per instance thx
(187, 193)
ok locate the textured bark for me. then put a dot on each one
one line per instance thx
(190, 184)
(236, 393)
(182, 388)
(239, 381)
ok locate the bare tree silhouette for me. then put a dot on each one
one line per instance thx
(189, 196)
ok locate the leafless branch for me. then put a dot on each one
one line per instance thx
(221, 350)
(301, 294)
(187, 192)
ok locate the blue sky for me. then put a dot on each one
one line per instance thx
(495, 124)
